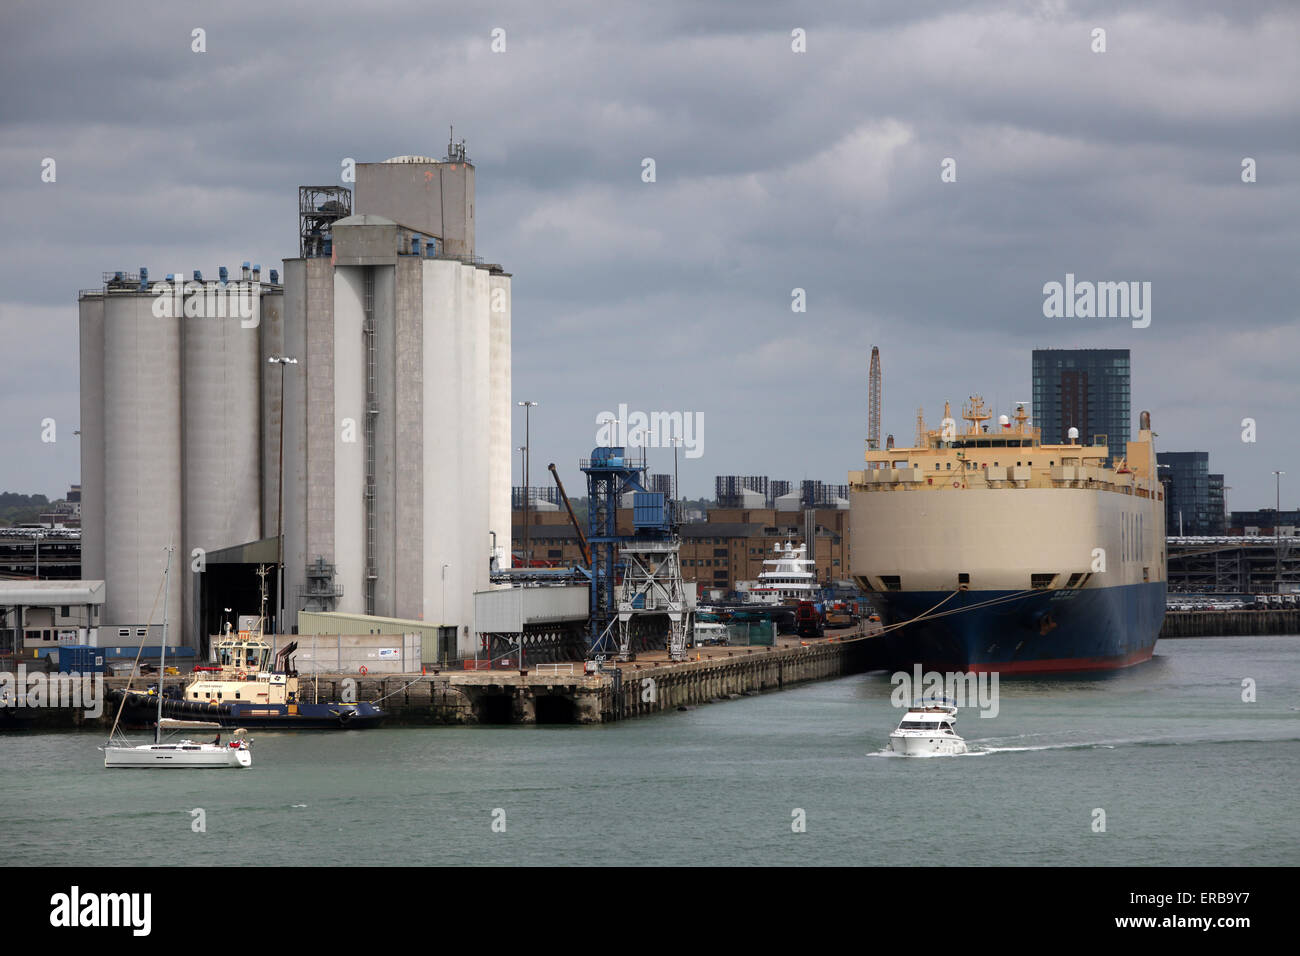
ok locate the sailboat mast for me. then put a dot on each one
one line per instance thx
(162, 657)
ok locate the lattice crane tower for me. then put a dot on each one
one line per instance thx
(875, 388)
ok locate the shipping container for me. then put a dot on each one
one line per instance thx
(81, 659)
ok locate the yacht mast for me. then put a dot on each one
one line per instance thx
(162, 657)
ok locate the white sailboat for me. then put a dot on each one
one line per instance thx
(181, 753)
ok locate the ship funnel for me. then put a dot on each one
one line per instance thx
(1144, 421)
(889, 442)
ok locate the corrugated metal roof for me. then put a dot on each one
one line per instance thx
(51, 592)
(262, 551)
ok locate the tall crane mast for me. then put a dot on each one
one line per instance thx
(875, 386)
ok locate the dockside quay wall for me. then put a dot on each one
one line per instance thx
(563, 693)
(659, 687)
(1229, 623)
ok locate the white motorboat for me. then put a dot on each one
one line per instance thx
(927, 730)
(118, 752)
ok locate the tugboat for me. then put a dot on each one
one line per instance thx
(926, 730)
(245, 688)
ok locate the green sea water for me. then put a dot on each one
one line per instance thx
(1185, 771)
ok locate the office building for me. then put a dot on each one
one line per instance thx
(1087, 389)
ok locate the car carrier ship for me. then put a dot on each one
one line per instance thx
(986, 550)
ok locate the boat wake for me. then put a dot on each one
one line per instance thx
(984, 749)
(1127, 742)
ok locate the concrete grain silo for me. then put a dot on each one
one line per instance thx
(142, 464)
(171, 450)
(91, 357)
(221, 425)
(404, 360)
(499, 404)
(395, 418)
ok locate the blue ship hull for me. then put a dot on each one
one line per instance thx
(323, 716)
(1061, 631)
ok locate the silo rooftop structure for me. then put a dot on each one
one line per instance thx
(170, 435)
(432, 197)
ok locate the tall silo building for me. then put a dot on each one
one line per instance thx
(170, 436)
(395, 417)
(397, 421)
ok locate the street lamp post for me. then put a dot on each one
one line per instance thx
(282, 361)
(39, 535)
(443, 602)
(1277, 532)
(528, 407)
(677, 494)
(523, 457)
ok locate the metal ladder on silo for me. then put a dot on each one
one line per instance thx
(372, 411)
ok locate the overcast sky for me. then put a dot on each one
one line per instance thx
(774, 170)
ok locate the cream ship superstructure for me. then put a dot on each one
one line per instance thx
(1008, 554)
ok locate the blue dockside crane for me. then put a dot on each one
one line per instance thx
(611, 474)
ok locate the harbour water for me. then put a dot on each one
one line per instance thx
(1186, 772)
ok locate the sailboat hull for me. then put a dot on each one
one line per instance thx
(184, 755)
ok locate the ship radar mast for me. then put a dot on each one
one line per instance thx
(261, 619)
(975, 413)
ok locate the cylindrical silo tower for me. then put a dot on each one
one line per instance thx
(271, 343)
(352, 506)
(91, 340)
(221, 427)
(443, 393)
(142, 464)
(499, 452)
(478, 537)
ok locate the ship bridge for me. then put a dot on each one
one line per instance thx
(1012, 456)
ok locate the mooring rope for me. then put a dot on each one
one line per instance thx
(928, 615)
